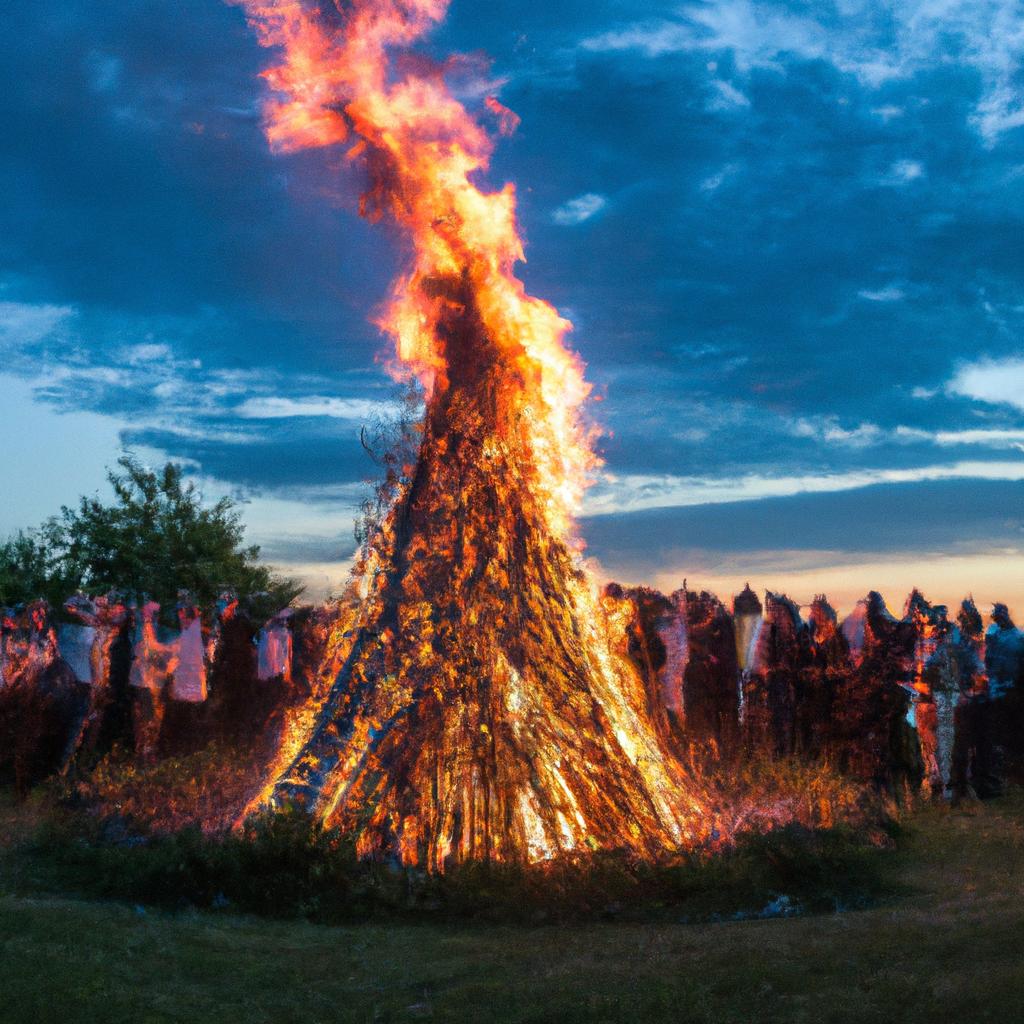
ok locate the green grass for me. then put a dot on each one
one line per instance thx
(948, 949)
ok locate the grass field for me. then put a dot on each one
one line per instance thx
(950, 949)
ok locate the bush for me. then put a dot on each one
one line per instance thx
(278, 865)
(26, 570)
(285, 865)
(156, 538)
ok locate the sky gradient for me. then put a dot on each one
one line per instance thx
(789, 236)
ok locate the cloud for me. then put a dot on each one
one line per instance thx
(842, 543)
(276, 407)
(992, 438)
(306, 531)
(1001, 111)
(995, 381)
(299, 524)
(275, 425)
(653, 38)
(985, 437)
(902, 172)
(713, 182)
(756, 35)
(946, 578)
(635, 492)
(830, 431)
(727, 97)
(888, 112)
(147, 352)
(195, 275)
(24, 324)
(577, 210)
(890, 293)
(875, 44)
(103, 71)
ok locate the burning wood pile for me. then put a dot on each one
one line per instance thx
(477, 706)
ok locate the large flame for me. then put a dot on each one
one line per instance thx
(346, 76)
(478, 701)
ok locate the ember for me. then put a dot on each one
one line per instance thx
(481, 707)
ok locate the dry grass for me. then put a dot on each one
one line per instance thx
(209, 788)
(212, 786)
(756, 794)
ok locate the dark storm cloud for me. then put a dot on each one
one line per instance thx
(311, 549)
(780, 229)
(919, 518)
(764, 250)
(294, 457)
(137, 179)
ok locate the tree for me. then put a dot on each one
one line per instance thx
(156, 538)
(25, 570)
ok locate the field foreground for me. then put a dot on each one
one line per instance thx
(950, 947)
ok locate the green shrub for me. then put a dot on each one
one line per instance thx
(157, 537)
(285, 865)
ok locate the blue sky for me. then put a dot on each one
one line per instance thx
(790, 235)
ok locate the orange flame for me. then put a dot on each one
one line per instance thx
(533, 733)
(341, 76)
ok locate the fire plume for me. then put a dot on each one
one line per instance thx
(477, 703)
(339, 80)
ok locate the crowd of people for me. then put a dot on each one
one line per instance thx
(923, 703)
(920, 703)
(113, 671)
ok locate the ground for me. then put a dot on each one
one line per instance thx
(949, 948)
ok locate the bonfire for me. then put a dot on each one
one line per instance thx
(478, 702)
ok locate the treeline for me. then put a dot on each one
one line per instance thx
(155, 539)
